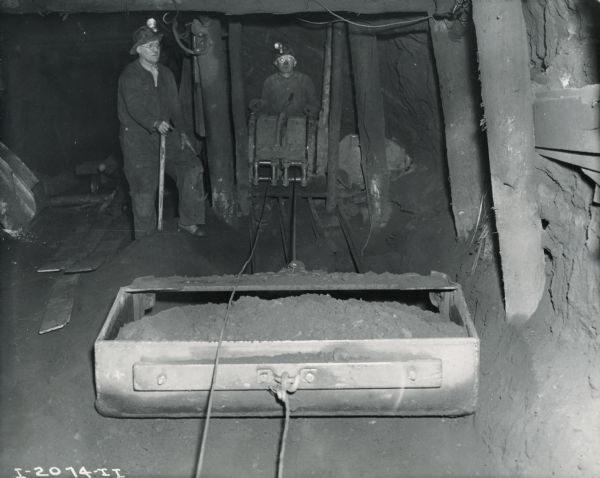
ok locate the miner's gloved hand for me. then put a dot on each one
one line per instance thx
(255, 105)
(162, 127)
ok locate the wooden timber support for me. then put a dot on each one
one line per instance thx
(239, 110)
(335, 112)
(508, 103)
(371, 122)
(323, 123)
(219, 137)
(460, 96)
(232, 7)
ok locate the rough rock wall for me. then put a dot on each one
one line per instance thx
(421, 219)
(539, 410)
(409, 91)
(571, 244)
(563, 37)
(413, 119)
(540, 387)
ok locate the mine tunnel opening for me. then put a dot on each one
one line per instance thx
(453, 209)
(411, 130)
(407, 128)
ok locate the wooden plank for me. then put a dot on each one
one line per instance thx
(506, 93)
(364, 52)
(19, 167)
(218, 117)
(60, 305)
(20, 191)
(568, 119)
(323, 123)
(234, 7)
(335, 113)
(18, 202)
(593, 175)
(460, 97)
(582, 160)
(239, 114)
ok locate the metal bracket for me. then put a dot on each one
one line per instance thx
(415, 373)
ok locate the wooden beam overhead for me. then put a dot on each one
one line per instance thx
(229, 7)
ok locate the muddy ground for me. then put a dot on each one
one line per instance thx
(48, 388)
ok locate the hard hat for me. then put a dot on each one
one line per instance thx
(142, 36)
(281, 50)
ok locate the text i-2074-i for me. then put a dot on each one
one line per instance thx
(69, 471)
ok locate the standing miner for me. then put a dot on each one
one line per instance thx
(148, 106)
(287, 91)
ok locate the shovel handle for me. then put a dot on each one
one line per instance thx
(161, 182)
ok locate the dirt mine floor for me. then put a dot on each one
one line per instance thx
(537, 412)
(47, 384)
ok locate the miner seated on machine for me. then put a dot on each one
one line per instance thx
(282, 121)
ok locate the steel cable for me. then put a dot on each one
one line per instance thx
(213, 380)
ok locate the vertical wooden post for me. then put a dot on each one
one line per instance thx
(461, 96)
(371, 121)
(508, 103)
(323, 125)
(338, 50)
(219, 137)
(239, 108)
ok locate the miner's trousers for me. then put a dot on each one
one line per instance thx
(141, 163)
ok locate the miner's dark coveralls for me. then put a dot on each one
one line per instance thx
(294, 95)
(140, 105)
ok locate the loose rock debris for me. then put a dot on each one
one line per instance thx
(303, 317)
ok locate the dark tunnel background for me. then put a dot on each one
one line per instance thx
(60, 78)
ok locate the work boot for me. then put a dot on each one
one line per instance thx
(193, 229)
